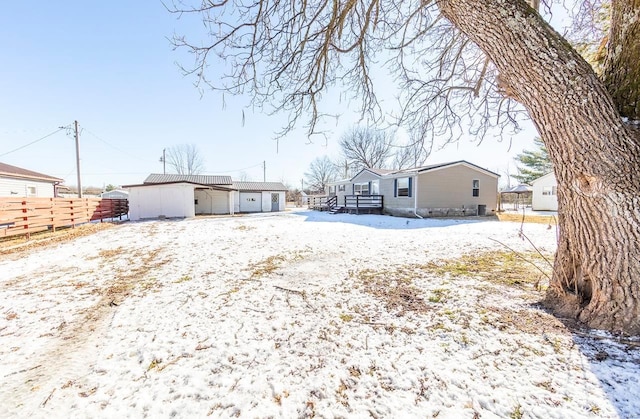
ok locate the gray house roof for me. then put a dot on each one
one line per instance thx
(378, 172)
(259, 186)
(440, 165)
(6, 170)
(199, 179)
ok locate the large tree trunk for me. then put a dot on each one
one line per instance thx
(596, 158)
(621, 72)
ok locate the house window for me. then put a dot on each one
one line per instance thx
(342, 188)
(332, 190)
(403, 186)
(31, 190)
(361, 188)
(549, 190)
(476, 187)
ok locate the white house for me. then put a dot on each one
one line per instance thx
(18, 182)
(545, 196)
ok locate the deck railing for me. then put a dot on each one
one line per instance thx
(23, 216)
(368, 203)
(348, 203)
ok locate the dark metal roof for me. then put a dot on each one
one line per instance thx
(200, 179)
(519, 189)
(17, 172)
(197, 185)
(260, 186)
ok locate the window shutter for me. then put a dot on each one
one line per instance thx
(369, 188)
(410, 184)
(395, 188)
(353, 189)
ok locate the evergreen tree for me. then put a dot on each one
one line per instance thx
(533, 163)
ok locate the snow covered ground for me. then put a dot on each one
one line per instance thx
(295, 314)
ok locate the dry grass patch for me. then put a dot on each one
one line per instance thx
(550, 220)
(393, 286)
(522, 270)
(45, 238)
(273, 263)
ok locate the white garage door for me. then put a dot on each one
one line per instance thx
(250, 202)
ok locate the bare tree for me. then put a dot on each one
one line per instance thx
(321, 171)
(185, 159)
(366, 147)
(413, 154)
(468, 66)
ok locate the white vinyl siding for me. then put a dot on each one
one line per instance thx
(155, 201)
(10, 187)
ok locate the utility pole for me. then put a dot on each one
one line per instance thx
(75, 124)
(163, 160)
(302, 185)
(264, 170)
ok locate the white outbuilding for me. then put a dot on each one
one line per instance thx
(545, 196)
(260, 196)
(183, 196)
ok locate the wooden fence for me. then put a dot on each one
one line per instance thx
(23, 216)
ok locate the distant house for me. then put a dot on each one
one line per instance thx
(18, 182)
(545, 193)
(184, 196)
(447, 189)
(115, 194)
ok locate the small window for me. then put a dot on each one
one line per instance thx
(402, 187)
(332, 189)
(342, 188)
(31, 190)
(476, 187)
(196, 201)
(549, 190)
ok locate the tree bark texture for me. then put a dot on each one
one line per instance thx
(596, 158)
(621, 72)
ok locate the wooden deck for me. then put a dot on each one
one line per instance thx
(352, 204)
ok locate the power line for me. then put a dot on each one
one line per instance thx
(237, 170)
(113, 146)
(33, 142)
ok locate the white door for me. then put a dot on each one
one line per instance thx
(250, 202)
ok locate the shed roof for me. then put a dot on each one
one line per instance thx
(260, 186)
(196, 185)
(8, 170)
(200, 179)
(519, 189)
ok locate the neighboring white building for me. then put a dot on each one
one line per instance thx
(545, 195)
(18, 182)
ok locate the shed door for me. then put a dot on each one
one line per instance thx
(250, 202)
(275, 202)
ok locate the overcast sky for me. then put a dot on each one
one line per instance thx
(110, 66)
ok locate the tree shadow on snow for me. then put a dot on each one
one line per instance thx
(387, 221)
